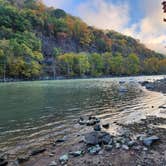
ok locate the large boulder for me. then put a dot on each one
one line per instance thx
(97, 137)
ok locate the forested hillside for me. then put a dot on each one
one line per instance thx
(37, 41)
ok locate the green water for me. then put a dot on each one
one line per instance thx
(30, 110)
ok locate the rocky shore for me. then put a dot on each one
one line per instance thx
(137, 144)
(159, 85)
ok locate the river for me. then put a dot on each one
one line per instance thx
(33, 112)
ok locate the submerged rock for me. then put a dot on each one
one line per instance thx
(94, 149)
(106, 126)
(150, 140)
(97, 127)
(37, 151)
(64, 159)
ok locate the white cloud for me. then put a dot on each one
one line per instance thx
(104, 15)
(151, 30)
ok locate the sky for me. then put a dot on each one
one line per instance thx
(141, 19)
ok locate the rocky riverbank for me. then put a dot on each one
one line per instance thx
(136, 145)
(159, 85)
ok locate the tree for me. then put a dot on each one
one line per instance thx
(107, 62)
(81, 64)
(5, 52)
(55, 54)
(96, 64)
(131, 64)
(117, 64)
(151, 65)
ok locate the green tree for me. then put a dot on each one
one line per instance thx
(132, 64)
(96, 64)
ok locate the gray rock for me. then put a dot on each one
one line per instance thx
(117, 145)
(150, 140)
(53, 163)
(106, 126)
(64, 159)
(22, 159)
(3, 160)
(131, 143)
(94, 149)
(97, 127)
(97, 137)
(37, 151)
(76, 153)
(125, 147)
(108, 147)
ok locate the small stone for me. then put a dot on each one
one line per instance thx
(117, 145)
(76, 153)
(131, 143)
(51, 155)
(97, 127)
(94, 149)
(37, 151)
(108, 147)
(125, 147)
(64, 159)
(106, 126)
(145, 149)
(53, 163)
(150, 140)
(22, 159)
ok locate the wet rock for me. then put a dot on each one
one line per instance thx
(97, 127)
(92, 138)
(22, 159)
(61, 140)
(97, 137)
(150, 140)
(91, 122)
(117, 145)
(106, 126)
(94, 149)
(162, 107)
(82, 122)
(37, 151)
(125, 147)
(106, 138)
(76, 153)
(51, 155)
(3, 161)
(131, 143)
(53, 163)
(108, 148)
(64, 159)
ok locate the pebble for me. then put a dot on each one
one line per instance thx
(64, 159)
(53, 163)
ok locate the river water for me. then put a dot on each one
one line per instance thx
(31, 111)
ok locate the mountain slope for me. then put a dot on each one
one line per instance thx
(33, 35)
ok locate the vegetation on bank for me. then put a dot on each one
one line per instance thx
(38, 41)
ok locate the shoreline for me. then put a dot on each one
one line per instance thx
(139, 155)
(11, 80)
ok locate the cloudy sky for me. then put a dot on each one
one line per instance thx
(141, 19)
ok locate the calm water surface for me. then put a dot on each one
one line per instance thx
(38, 110)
